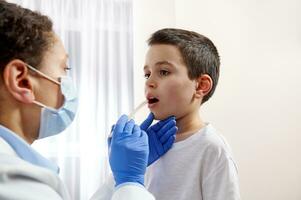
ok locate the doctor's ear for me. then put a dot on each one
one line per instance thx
(17, 81)
(203, 85)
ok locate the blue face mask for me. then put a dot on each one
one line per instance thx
(54, 121)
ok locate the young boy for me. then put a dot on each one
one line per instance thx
(181, 71)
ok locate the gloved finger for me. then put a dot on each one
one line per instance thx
(144, 138)
(156, 143)
(149, 120)
(161, 123)
(110, 135)
(128, 129)
(169, 143)
(119, 127)
(112, 128)
(166, 127)
(109, 140)
(136, 131)
(170, 133)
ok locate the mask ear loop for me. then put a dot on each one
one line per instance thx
(43, 105)
(49, 78)
(42, 74)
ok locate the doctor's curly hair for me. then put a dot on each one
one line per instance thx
(24, 35)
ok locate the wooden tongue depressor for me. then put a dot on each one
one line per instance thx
(132, 114)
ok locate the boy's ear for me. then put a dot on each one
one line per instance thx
(17, 82)
(203, 85)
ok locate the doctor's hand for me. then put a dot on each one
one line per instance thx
(128, 152)
(161, 136)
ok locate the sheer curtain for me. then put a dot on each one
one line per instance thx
(97, 34)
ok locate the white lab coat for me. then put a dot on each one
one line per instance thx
(22, 180)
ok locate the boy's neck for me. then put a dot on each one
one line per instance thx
(188, 125)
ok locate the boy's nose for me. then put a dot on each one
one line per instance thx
(151, 83)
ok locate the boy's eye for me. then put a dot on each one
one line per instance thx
(164, 72)
(146, 76)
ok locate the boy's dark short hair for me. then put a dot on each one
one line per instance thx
(24, 35)
(198, 52)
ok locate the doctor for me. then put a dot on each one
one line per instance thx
(37, 100)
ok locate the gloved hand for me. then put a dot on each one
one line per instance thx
(128, 152)
(161, 136)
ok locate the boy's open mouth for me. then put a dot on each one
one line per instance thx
(152, 100)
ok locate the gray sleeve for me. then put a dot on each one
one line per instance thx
(15, 187)
(105, 191)
(22, 180)
(126, 192)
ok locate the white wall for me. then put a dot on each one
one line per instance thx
(256, 105)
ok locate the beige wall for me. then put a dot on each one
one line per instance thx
(256, 105)
(149, 16)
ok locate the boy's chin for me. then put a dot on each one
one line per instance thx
(161, 116)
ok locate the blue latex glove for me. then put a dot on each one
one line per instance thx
(161, 136)
(128, 152)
